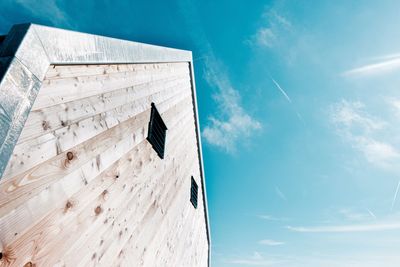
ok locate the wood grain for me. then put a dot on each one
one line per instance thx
(85, 188)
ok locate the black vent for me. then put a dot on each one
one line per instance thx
(157, 131)
(194, 188)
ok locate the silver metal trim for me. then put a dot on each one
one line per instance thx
(200, 152)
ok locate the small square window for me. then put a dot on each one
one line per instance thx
(157, 131)
(194, 188)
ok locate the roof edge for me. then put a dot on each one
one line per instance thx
(70, 47)
(200, 154)
(21, 74)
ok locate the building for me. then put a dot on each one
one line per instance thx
(100, 156)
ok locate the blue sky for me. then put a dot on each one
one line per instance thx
(299, 107)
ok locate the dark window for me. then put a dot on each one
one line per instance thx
(157, 131)
(194, 188)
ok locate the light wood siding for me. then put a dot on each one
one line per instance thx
(85, 188)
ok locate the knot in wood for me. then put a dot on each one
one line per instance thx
(70, 155)
(45, 125)
(68, 205)
(98, 210)
(104, 194)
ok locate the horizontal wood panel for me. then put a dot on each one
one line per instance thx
(52, 118)
(85, 188)
(55, 92)
(70, 225)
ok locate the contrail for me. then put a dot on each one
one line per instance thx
(282, 91)
(280, 193)
(371, 213)
(387, 65)
(287, 98)
(395, 196)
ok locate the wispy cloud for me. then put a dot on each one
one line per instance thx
(377, 152)
(395, 195)
(280, 193)
(273, 27)
(350, 214)
(395, 105)
(269, 242)
(352, 116)
(360, 129)
(231, 122)
(48, 10)
(389, 64)
(255, 260)
(388, 258)
(272, 218)
(346, 228)
(265, 37)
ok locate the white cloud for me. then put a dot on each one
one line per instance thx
(356, 215)
(272, 28)
(361, 130)
(233, 122)
(48, 9)
(377, 152)
(272, 218)
(347, 228)
(390, 64)
(395, 105)
(256, 260)
(265, 37)
(352, 114)
(269, 242)
(388, 258)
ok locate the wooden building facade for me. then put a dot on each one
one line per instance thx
(100, 156)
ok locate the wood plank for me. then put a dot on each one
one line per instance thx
(146, 254)
(171, 230)
(38, 206)
(72, 71)
(17, 190)
(91, 191)
(145, 228)
(99, 236)
(55, 92)
(55, 117)
(33, 152)
(138, 245)
(85, 173)
(42, 250)
(42, 234)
